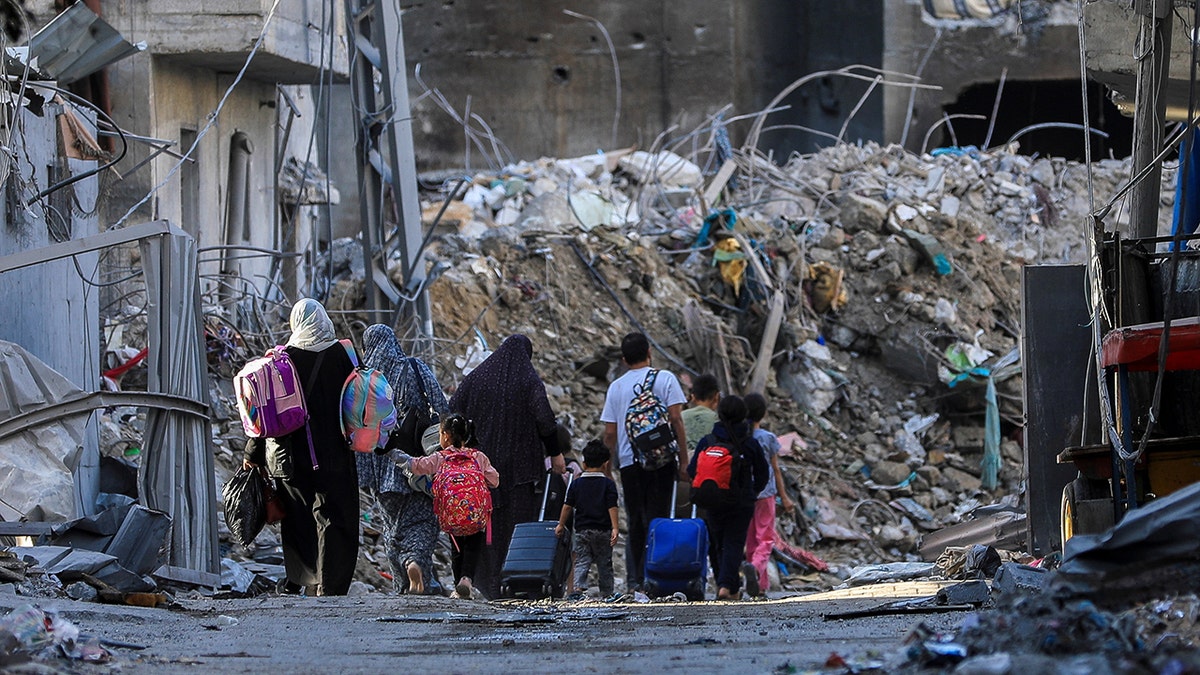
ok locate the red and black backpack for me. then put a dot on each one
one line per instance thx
(720, 475)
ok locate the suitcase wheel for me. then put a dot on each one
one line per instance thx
(651, 588)
(505, 591)
(695, 590)
(547, 590)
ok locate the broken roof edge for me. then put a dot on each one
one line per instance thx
(77, 43)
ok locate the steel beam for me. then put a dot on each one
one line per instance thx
(96, 242)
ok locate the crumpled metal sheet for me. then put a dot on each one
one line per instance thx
(36, 465)
(1001, 530)
(177, 474)
(1167, 529)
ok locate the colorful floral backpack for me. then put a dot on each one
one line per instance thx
(461, 498)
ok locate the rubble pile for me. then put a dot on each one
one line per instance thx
(897, 282)
(872, 293)
(1043, 633)
(899, 276)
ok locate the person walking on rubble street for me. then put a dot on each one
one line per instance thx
(320, 533)
(698, 420)
(410, 527)
(647, 493)
(506, 399)
(727, 523)
(760, 537)
(592, 501)
(456, 436)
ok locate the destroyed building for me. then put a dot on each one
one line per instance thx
(869, 283)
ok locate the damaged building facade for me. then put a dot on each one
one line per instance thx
(149, 187)
(545, 81)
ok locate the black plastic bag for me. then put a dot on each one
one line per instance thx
(245, 502)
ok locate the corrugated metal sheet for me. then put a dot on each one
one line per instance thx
(177, 463)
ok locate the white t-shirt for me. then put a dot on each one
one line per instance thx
(620, 393)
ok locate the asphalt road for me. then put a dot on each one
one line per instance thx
(379, 633)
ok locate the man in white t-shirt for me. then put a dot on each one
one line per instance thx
(647, 493)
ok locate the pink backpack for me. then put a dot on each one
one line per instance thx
(269, 396)
(461, 498)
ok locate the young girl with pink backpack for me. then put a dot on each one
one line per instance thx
(462, 479)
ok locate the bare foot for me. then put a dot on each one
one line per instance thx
(724, 594)
(416, 582)
(463, 588)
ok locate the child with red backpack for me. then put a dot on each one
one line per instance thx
(462, 501)
(728, 471)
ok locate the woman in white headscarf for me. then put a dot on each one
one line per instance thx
(318, 484)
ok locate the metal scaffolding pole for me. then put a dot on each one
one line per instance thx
(384, 146)
(1150, 112)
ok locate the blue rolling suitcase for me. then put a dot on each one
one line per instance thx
(676, 556)
(538, 562)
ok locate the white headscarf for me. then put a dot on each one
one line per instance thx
(312, 330)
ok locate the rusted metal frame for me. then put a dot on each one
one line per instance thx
(101, 399)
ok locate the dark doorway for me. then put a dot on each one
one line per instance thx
(1026, 103)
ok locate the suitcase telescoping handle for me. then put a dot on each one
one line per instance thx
(674, 498)
(546, 492)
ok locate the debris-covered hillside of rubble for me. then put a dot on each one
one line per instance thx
(870, 292)
(888, 281)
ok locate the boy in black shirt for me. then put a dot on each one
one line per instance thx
(593, 499)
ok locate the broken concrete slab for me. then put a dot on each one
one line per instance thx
(44, 557)
(1012, 578)
(974, 592)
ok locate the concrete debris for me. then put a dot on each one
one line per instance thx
(973, 592)
(1040, 633)
(1016, 578)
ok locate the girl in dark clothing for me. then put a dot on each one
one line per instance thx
(728, 523)
(320, 532)
(516, 429)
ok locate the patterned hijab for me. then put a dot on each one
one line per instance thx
(381, 351)
(312, 330)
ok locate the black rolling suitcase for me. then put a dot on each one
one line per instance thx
(538, 562)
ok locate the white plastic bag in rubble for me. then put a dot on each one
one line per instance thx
(476, 353)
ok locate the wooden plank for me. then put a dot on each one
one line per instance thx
(718, 182)
(760, 270)
(762, 365)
